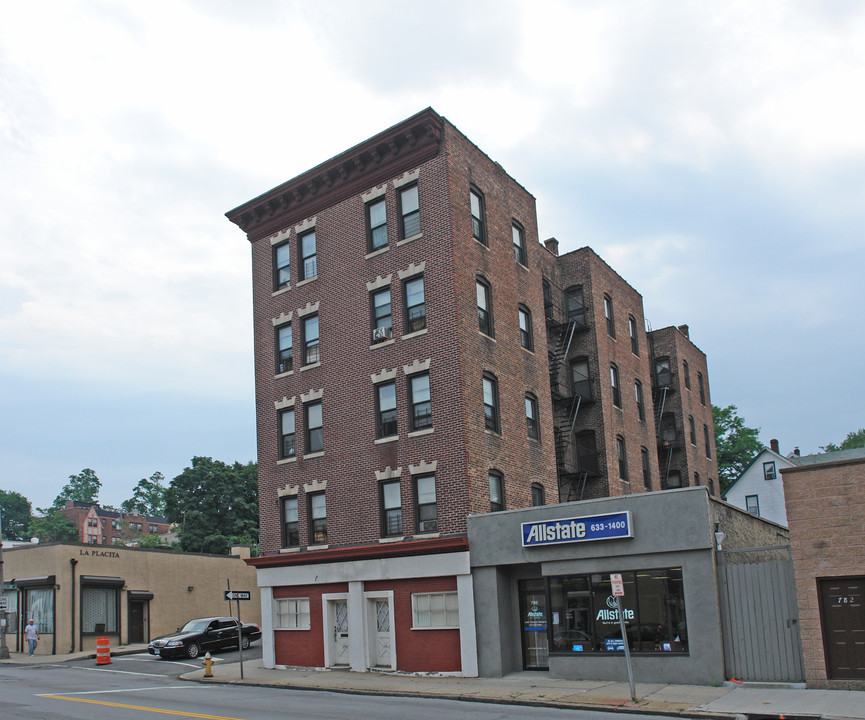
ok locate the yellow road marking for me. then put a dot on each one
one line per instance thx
(142, 707)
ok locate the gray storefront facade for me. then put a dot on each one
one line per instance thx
(543, 598)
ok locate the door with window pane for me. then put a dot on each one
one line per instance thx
(533, 622)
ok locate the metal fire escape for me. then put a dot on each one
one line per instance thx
(667, 434)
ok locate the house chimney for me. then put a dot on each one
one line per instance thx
(552, 245)
(796, 451)
(684, 330)
(773, 443)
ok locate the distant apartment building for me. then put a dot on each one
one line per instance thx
(99, 526)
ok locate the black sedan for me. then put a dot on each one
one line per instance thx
(203, 635)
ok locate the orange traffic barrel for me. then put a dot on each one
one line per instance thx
(103, 651)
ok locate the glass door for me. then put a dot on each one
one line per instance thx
(533, 624)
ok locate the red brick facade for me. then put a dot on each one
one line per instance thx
(98, 526)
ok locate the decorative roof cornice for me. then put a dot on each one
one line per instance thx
(402, 147)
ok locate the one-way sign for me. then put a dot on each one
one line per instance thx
(237, 595)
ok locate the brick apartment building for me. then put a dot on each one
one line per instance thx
(403, 382)
(99, 526)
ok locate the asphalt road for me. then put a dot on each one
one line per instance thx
(152, 665)
(138, 688)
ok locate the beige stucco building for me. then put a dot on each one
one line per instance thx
(78, 592)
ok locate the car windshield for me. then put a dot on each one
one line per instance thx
(195, 626)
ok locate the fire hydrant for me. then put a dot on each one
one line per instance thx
(208, 664)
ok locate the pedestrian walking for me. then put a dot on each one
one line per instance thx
(32, 635)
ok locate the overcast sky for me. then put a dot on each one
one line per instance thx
(712, 153)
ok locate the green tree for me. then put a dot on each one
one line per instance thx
(736, 444)
(148, 497)
(853, 440)
(53, 527)
(212, 502)
(16, 511)
(83, 487)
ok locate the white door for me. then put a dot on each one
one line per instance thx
(340, 632)
(381, 622)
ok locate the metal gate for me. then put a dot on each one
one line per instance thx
(760, 618)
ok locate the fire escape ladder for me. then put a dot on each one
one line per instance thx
(667, 464)
(662, 399)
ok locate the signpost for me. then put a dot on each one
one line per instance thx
(619, 592)
(237, 595)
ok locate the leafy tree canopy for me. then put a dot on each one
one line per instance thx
(853, 440)
(83, 487)
(736, 443)
(15, 510)
(53, 528)
(212, 502)
(148, 497)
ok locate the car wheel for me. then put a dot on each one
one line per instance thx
(193, 650)
(244, 642)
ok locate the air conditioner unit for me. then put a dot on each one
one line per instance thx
(381, 334)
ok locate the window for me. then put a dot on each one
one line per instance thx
(100, 609)
(420, 402)
(538, 495)
(581, 384)
(692, 428)
(391, 509)
(491, 403)
(479, 223)
(647, 473)
(686, 374)
(290, 534)
(308, 259)
(608, 314)
(415, 307)
(702, 390)
(632, 331)
(614, 382)
(532, 425)
(638, 394)
(485, 312)
(409, 212)
(662, 372)
(311, 351)
(435, 610)
(519, 236)
(385, 401)
(376, 225)
(314, 427)
(426, 510)
(711, 486)
(284, 360)
(292, 614)
(668, 428)
(696, 479)
(752, 504)
(497, 491)
(674, 479)
(575, 307)
(381, 315)
(706, 440)
(286, 434)
(525, 320)
(281, 265)
(622, 457)
(317, 519)
(769, 470)
(548, 299)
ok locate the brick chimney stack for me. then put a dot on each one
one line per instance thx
(774, 445)
(552, 245)
(684, 330)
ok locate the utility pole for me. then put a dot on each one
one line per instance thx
(4, 651)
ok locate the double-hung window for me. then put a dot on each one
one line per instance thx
(614, 383)
(525, 319)
(638, 394)
(706, 441)
(632, 331)
(752, 504)
(314, 427)
(381, 315)
(538, 495)
(281, 265)
(311, 350)
(415, 306)
(485, 306)
(290, 535)
(420, 401)
(391, 509)
(686, 374)
(769, 470)
(284, 360)
(385, 397)
(519, 237)
(286, 434)
(376, 223)
(663, 374)
(317, 519)
(409, 211)
(497, 491)
(532, 425)
(308, 257)
(479, 223)
(292, 613)
(608, 314)
(622, 456)
(647, 473)
(575, 306)
(692, 428)
(491, 402)
(426, 509)
(702, 389)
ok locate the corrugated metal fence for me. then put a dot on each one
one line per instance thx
(760, 619)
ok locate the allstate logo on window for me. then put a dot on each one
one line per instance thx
(611, 526)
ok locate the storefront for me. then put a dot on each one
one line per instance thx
(544, 601)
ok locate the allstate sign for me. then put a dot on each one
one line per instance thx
(610, 526)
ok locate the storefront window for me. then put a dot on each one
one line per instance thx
(99, 610)
(40, 607)
(584, 614)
